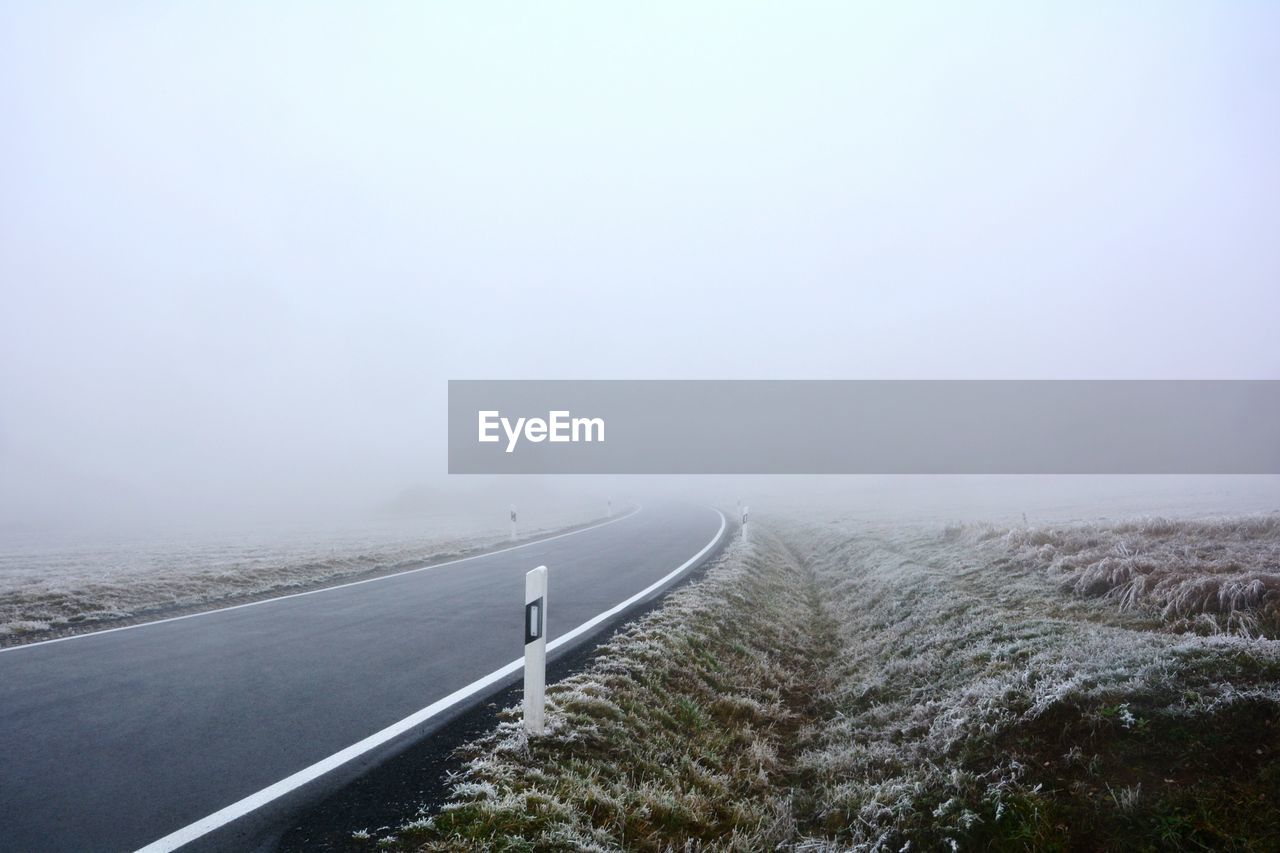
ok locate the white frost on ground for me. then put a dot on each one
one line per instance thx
(959, 639)
(840, 682)
(1208, 575)
(61, 585)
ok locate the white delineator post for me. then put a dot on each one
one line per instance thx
(535, 650)
(608, 512)
(513, 522)
(746, 510)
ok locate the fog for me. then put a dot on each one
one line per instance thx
(242, 249)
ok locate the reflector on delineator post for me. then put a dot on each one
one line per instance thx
(533, 621)
(535, 650)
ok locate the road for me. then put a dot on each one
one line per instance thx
(209, 730)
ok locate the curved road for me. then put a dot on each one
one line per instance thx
(209, 731)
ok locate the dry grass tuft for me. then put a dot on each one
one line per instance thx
(1219, 576)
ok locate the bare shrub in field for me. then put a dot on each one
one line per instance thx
(1208, 576)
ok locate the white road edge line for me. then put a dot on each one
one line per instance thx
(252, 802)
(321, 589)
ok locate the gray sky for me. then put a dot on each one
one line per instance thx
(244, 245)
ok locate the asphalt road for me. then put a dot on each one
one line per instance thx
(114, 740)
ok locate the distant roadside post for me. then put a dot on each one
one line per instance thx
(746, 510)
(535, 650)
(513, 522)
(608, 508)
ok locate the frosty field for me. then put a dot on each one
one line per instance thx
(836, 683)
(55, 585)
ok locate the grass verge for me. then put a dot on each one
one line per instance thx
(835, 686)
(683, 732)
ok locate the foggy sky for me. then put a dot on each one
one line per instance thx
(243, 248)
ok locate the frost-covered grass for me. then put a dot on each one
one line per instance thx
(838, 685)
(980, 706)
(51, 588)
(1213, 576)
(683, 732)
